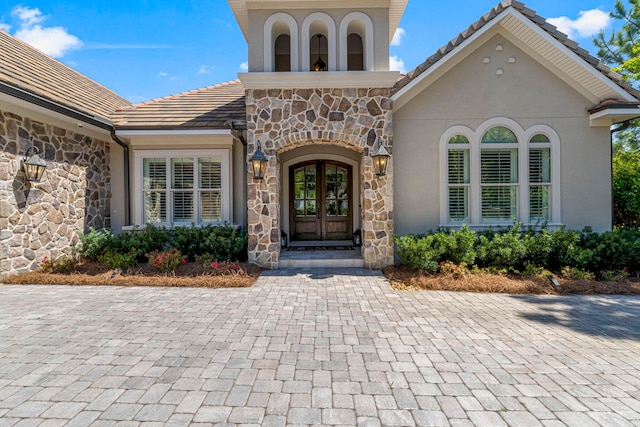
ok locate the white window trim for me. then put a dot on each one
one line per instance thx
(475, 146)
(270, 39)
(331, 39)
(140, 155)
(367, 40)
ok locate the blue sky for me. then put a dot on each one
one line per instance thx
(153, 48)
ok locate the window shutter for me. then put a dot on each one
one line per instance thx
(540, 165)
(154, 188)
(499, 166)
(182, 178)
(539, 203)
(458, 205)
(499, 203)
(210, 172)
(458, 166)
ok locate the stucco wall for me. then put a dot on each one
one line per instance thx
(46, 218)
(472, 93)
(379, 17)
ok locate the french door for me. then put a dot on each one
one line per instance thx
(321, 201)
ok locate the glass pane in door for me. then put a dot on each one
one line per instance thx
(336, 196)
(305, 191)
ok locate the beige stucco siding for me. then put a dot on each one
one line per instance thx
(258, 18)
(472, 93)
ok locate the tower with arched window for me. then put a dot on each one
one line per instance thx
(318, 91)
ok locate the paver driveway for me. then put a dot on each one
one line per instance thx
(315, 347)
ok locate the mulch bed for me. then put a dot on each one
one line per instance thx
(187, 275)
(405, 278)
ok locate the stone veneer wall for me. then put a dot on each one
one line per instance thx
(45, 219)
(284, 119)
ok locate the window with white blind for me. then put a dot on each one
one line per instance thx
(183, 188)
(539, 177)
(500, 174)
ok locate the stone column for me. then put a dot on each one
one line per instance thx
(350, 117)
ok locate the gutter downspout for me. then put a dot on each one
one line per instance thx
(239, 127)
(127, 188)
(623, 126)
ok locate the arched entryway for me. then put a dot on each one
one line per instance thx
(320, 201)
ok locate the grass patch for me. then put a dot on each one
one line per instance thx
(191, 274)
(406, 278)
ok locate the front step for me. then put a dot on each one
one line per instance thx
(321, 259)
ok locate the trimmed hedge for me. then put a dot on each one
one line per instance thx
(220, 243)
(518, 250)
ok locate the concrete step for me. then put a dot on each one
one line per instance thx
(321, 259)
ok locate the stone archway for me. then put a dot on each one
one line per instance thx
(286, 119)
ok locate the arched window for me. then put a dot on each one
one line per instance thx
(282, 51)
(318, 53)
(280, 30)
(355, 53)
(500, 174)
(356, 24)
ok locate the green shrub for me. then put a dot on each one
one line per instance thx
(117, 260)
(142, 241)
(226, 243)
(614, 275)
(505, 250)
(566, 250)
(457, 246)
(539, 246)
(95, 243)
(419, 252)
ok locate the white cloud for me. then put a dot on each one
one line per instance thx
(397, 64)
(244, 66)
(28, 17)
(398, 36)
(589, 23)
(162, 74)
(5, 27)
(54, 41)
(206, 69)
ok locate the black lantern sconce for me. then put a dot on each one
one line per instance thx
(319, 64)
(259, 163)
(33, 165)
(381, 159)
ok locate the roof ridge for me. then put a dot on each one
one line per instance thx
(537, 20)
(177, 95)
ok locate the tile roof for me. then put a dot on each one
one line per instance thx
(26, 68)
(210, 106)
(536, 19)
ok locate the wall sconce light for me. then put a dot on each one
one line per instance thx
(259, 163)
(33, 165)
(380, 159)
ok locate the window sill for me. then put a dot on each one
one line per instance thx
(480, 227)
(129, 228)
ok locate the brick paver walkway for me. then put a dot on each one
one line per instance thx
(319, 348)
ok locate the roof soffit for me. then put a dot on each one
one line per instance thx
(566, 64)
(241, 8)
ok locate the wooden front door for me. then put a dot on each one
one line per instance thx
(321, 201)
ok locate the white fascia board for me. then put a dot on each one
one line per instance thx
(611, 116)
(399, 97)
(313, 80)
(172, 132)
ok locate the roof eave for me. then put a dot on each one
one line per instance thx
(41, 101)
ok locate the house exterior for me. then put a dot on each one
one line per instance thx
(509, 122)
